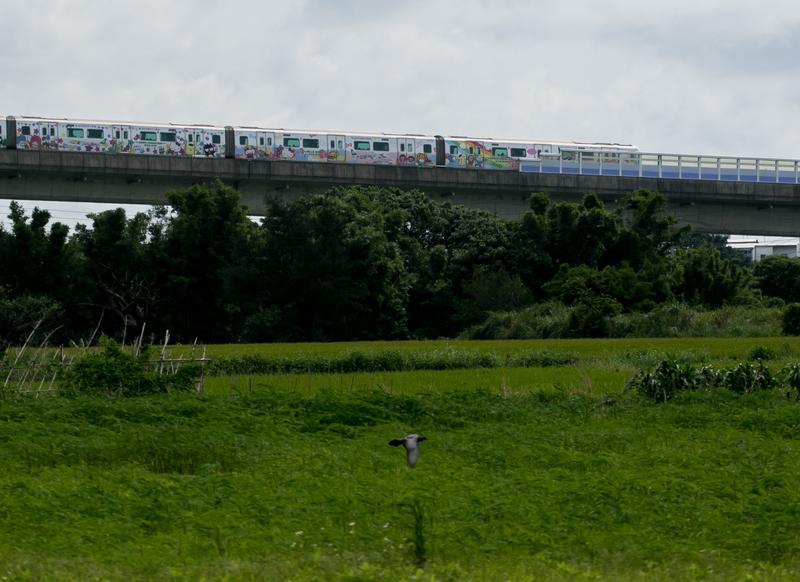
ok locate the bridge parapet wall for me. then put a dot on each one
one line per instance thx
(711, 206)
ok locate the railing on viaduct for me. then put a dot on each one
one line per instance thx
(671, 166)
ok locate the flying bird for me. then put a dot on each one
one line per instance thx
(411, 444)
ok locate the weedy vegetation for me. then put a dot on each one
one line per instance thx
(540, 465)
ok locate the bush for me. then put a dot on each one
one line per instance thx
(761, 353)
(791, 319)
(591, 316)
(113, 373)
(746, 378)
(669, 378)
(790, 375)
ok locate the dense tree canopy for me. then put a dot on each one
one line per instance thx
(356, 263)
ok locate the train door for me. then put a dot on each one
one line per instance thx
(247, 144)
(214, 143)
(261, 145)
(49, 135)
(406, 156)
(336, 148)
(208, 142)
(121, 139)
(194, 142)
(269, 145)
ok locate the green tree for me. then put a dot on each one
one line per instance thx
(125, 280)
(650, 232)
(705, 278)
(35, 259)
(208, 250)
(779, 276)
(333, 271)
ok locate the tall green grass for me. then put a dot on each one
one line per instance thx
(275, 484)
(304, 358)
(551, 320)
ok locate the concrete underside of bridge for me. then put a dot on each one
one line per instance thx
(709, 206)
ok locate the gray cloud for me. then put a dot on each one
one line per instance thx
(717, 77)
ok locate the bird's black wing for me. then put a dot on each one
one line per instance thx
(397, 442)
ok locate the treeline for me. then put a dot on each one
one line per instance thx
(359, 263)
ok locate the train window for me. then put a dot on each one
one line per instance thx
(453, 149)
(269, 141)
(361, 145)
(471, 150)
(52, 131)
(518, 153)
(94, 133)
(168, 136)
(291, 142)
(125, 134)
(333, 145)
(191, 138)
(261, 141)
(74, 132)
(380, 146)
(341, 145)
(242, 140)
(311, 143)
(427, 148)
(117, 135)
(148, 136)
(26, 130)
(216, 139)
(499, 151)
(402, 147)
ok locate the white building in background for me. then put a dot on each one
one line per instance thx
(787, 250)
(765, 247)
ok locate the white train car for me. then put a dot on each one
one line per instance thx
(112, 137)
(390, 149)
(334, 147)
(202, 141)
(491, 154)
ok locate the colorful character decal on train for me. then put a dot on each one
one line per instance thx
(300, 148)
(254, 143)
(375, 151)
(122, 145)
(466, 154)
(248, 152)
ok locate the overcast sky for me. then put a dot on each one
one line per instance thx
(678, 76)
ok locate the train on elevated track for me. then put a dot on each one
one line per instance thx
(256, 143)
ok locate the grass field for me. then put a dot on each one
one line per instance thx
(544, 473)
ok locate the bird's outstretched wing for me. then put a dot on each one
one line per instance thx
(397, 442)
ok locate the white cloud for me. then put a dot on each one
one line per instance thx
(712, 76)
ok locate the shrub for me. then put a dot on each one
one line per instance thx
(791, 319)
(113, 373)
(668, 378)
(790, 375)
(591, 316)
(761, 353)
(746, 378)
